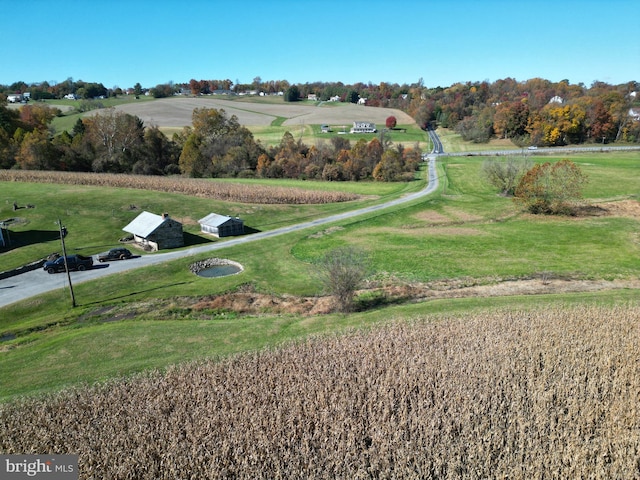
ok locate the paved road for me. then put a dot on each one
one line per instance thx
(541, 151)
(26, 285)
(437, 144)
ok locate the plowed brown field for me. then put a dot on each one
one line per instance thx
(176, 112)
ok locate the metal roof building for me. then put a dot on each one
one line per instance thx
(156, 232)
(221, 225)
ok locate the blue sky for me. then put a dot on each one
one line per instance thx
(119, 43)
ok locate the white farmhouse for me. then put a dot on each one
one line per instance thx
(363, 127)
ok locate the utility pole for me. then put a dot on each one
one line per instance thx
(66, 266)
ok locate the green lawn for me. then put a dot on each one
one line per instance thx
(408, 135)
(95, 216)
(465, 232)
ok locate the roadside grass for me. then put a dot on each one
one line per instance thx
(465, 233)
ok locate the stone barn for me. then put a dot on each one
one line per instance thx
(221, 225)
(156, 232)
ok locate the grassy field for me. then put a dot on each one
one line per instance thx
(465, 233)
(95, 216)
(452, 143)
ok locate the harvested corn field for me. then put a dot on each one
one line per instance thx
(227, 192)
(550, 393)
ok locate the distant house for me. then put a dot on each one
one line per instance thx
(556, 99)
(221, 225)
(313, 97)
(335, 98)
(156, 232)
(362, 101)
(223, 92)
(363, 127)
(635, 114)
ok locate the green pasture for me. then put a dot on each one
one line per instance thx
(408, 135)
(465, 232)
(95, 216)
(452, 143)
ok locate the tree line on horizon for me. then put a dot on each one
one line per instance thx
(533, 112)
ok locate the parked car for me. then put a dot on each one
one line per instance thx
(119, 253)
(74, 262)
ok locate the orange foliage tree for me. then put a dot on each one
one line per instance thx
(551, 188)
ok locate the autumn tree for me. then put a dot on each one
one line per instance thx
(478, 127)
(511, 118)
(505, 174)
(355, 166)
(38, 116)
(207, 144)
(391, 122)
(114, 135)
(288, 157)
(389, 168)
(602, 127)
(37, 152)
(551, 188)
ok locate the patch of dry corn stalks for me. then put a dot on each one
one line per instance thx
(228, 192)
(553, 393)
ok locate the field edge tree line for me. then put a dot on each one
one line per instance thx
(536, 112)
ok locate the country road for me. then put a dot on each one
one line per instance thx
(30, 284)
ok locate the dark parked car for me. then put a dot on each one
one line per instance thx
(74, 262)
(119, 253)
